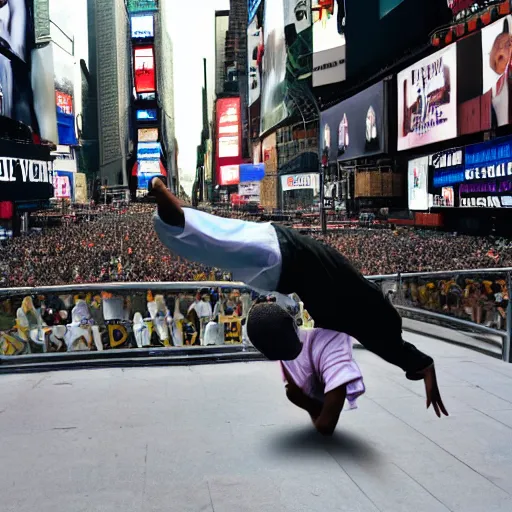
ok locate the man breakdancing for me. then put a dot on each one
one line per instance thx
(272, 258)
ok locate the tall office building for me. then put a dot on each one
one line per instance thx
(111, 73)
(221, 30)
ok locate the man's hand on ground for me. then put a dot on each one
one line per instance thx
(432, 391)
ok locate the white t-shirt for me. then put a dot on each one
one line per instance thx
(249, 250)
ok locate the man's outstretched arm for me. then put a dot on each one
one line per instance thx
(170, 208)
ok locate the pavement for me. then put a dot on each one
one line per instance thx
(223, 438)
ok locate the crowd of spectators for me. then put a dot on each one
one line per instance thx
(121, 245)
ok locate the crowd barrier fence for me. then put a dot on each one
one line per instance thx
(103, 317)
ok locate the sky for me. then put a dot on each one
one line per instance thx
(193, 37)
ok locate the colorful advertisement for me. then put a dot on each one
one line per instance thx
(458, 5)
(255, 56)
(144, 62)
(328, 42)
(149, 114)
(487, 175)
(229, 175)
(148, 134)
(427, 100)
(447, 169)
(355, 127)
(143, 26)
(418, 184)
(300, 181)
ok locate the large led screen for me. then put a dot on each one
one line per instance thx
(144, 62)
(254, 54)
(355, 127)
(418, 184)
(149, 114)
(142, 27)
(273, 107)
(328, 42)
(427, 100)
(228, 128)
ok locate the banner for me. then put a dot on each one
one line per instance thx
(62, 185)
(418, 184)
(144, 63)
(142, 26)
(355, 127)
(427, 100)
(300, 181)
(328, 42)
(251, 172)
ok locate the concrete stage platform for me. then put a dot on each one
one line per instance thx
(223, 438)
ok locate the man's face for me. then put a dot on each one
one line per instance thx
(501, 53)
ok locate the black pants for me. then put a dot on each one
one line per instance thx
(339, 298)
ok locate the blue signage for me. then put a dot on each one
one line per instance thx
(489, 153)
(148, 114)
(251, 172)
(445, 178)
(148, 151)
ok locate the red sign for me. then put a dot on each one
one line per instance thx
(64, 102)
(144, 69)
(229, 175)
(229, 143)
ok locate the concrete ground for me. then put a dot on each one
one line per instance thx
(222, 438)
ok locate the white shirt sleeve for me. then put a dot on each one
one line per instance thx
(249, 250)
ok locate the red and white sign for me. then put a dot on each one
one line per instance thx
(229, 145)
(459, 5)
(229, 175)
(144, 69)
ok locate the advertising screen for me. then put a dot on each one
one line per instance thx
(417, 178)
(149, 114)
(447, 171)
(228, 128)
(148, 151)
(328, 42)
(148, 134)
(355, 127)
(143, 26)
(273, 108)
(487, 175)
(144, 62)
(64, 103)
(250, 191)
(427, 100)
(63, 183)
(229, 175)
(254, 55)
(147, 169)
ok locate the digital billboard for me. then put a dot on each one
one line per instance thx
(63, 184)
(144, 63)
(143, 26)
(417, 178)
(273, 108)
(229, 175)
(251, 172)
(228, 127)
(300, 181)
(148, 151)
(254, 54)
(427, 100)
(487, 175)
(355, 127)
(447, 171)
(148, 114)
(147, 134)
(328, 42)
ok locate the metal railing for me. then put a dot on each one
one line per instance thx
(476, 301)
